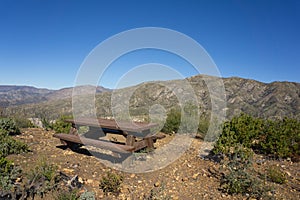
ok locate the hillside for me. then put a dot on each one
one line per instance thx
(11, 95)
(276, 99)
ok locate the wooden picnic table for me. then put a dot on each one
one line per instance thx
(137, 135)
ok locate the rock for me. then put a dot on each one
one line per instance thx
(81, 180)
(18, 180)
(157, 184)
(185, 179)
(195, 176)
(67, 170)
(132, 175)
(139, 181)
(89, 181)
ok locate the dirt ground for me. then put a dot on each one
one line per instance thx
(189, 177)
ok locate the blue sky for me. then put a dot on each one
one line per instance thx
(44, 42)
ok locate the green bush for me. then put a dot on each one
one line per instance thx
(9, 145)
(172, 122)
(23, 122)
(275, 175)
(203, 126)
(111, 183)
(46, 124)
(8, 174)
(86, 195)
(60, 126)
(8, 126)
(43, 178)
(67, 195)
(238, 176)
(280, 138)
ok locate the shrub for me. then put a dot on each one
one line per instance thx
(203, 126)
(60, 126)
(86, 195)
(42, 178)
(172, 122)
(8, 174)
(8, 126)
(280, 138)
(238, 174)
(67, 195)
(275, 175)
(111, 183)
(23, 122)
(157, 193)
(9, 145)
(46, 124)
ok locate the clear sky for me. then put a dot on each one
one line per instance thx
(44, 42)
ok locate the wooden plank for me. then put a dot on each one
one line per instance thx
(139, 127)
(96, 143)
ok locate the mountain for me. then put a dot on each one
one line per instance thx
(267, 100)
(18, 95)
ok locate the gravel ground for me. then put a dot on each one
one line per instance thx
(189, 177)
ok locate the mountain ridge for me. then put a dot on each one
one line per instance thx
(267, 100)
(13, 95)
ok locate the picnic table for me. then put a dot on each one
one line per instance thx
(137, 135)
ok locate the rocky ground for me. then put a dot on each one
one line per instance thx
(189, 177)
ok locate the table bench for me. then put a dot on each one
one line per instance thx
(137, 135)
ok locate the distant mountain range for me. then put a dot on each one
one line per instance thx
(18, 95)
(267, 100)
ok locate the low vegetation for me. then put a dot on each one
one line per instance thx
(277, 138)
(60, 126)
(238, 175)
(276, 175)
(242, 137)
(8, 126)
(111, 183)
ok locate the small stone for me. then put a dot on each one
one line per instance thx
(18, 180)
(157, 184)
(195, 176)
(175, 197)
(132, 175)
(139, 181)
(68, 170)
(185, 179)
(89, 181)
(80, 180)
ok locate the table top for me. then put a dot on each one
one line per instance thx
(113, 124)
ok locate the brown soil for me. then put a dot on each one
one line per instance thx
(189, 177)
